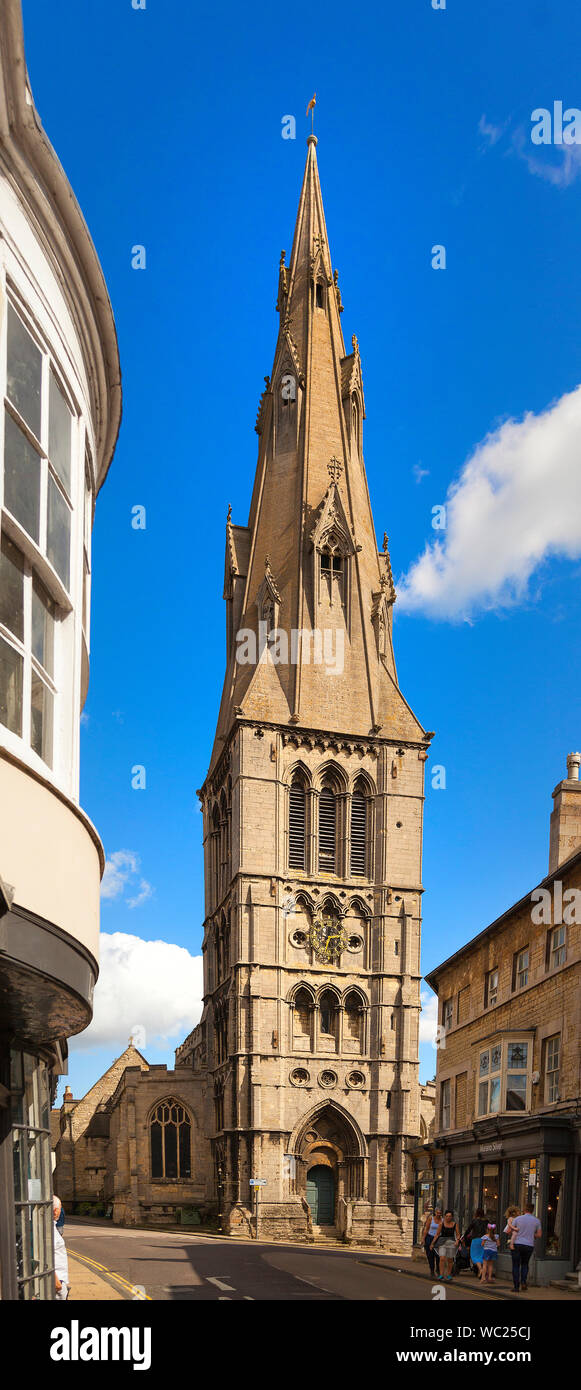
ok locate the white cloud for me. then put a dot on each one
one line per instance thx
(428, 1017)
(121, 872)
(557, 164)
(517, 502)
(152, 987)
(492, 133)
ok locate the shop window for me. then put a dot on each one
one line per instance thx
(445, 1105)
(552, 1068)
(520, 969)
(556, 1243)
(447, 1014)
(30, 1116)
(516, 1077)
(170, 1138)
(490, 989)
(556, 947)
(491, 1192)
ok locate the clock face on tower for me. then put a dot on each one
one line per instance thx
(327, 937)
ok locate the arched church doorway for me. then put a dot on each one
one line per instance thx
(321, 1194)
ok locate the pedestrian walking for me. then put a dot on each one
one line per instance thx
(475, 1232)
(490, 1241)
(446, 1241)
(526, 1229)
(61, 1263)
(431, 1225)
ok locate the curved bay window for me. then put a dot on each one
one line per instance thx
(171, 1141)
(27, 629)
(327, 830)
(359, 832)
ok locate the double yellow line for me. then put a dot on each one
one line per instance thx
(138, 1295)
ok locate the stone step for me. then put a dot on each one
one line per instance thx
(567, 1285)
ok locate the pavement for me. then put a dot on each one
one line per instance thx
(114, 1263)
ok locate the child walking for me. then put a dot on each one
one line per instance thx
(489, 1253)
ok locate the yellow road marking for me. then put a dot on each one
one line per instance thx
(94, 1264)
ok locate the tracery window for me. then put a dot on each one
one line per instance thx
(171, 1140)
(332, 575)
(353, 1020)
(302, 1016)
(328, 1015)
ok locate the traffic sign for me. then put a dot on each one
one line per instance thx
(258, 1182)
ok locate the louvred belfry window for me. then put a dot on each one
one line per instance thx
(358, 833)
(296, 829)
(327, 830)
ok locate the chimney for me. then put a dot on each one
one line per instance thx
(565, 837)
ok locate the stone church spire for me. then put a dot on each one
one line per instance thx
(309, 596)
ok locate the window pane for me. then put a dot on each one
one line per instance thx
(42, 627)
(495, 1093)
(41, 712)
(21, 478)
(156, 1158)
(171, 1151)
(495, 1059)
(24, 372)
(185, 1146)
(59, 434)
(517, 1054)
(58, 546)
(483, 1063)
(11, 588)
(516, 1091)
(10, 688)
(483, 1098)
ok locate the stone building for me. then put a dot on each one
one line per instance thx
(60, 384)
(303, 1071)
(313, 811)
(508, 1121)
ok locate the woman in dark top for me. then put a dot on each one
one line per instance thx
(475, 1232)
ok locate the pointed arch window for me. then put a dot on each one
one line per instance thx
(302, 1018)
(319, 295)
(327, 830)
(332, 575)
(328, 1016)
(359, 820)
(297, 823)
(353, 1021)
(171, 1141)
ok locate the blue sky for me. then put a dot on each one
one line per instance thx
(168, 124)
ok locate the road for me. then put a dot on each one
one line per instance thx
(178, 1266)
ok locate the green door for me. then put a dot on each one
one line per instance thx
(321, 1195)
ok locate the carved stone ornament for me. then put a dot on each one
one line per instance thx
(327, 937)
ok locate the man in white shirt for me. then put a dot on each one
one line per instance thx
(61, 1263)
(526, 1229)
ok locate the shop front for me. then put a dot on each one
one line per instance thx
(428, 1166)
(536, 1163)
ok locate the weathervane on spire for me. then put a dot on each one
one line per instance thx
(311, 108)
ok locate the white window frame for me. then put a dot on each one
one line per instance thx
(558, 947)
(30, 663)
(520, 970)
(491, 996)
(500, 1073)
(448, 1013)
(445, 1104)
(552, 1072)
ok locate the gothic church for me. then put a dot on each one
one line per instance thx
(303, 1071)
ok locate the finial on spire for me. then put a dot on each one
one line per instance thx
(335, 469)
(311, 108)
(229, 515)
(385, 542)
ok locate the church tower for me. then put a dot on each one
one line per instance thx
(313, 810)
